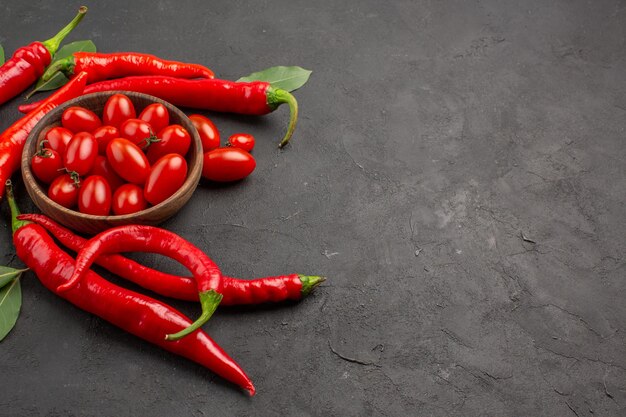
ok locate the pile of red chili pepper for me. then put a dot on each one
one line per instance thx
(83, 152)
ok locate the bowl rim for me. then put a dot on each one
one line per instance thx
(28, 175)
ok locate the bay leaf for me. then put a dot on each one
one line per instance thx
(286, 78)
(72, 47)
(7, 274)
(10, 304)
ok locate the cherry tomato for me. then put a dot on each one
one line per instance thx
(94, 196)
(102, 167)
(63, 191)
(128, 161)
(227, 164)
(79, 119)
(243, 141)
(128, 199)
(166, 177)
(156, 114)
(81, 153)
(47, 165)
(137, 131)
(209, 135)
(105, 134)
(58, 138)
(117, 109)
(172, 139)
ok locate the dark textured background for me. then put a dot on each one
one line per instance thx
(433, 133)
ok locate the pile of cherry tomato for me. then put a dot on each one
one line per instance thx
(224, 164)
(123, 163)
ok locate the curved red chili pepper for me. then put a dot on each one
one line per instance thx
(29, 62)
(236, 291)
(139, 238)
(135, 313)
(13, 139)
(122, 64)
(254, 98)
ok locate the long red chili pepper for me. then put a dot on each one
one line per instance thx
(122, 64)
(236, 291)
(254, 98)
(135, 313)
(29, 62)
(12, 140)
(139, 238)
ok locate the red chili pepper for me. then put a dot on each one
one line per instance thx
(29, 62)
(254, 98)
(236, 291)
(12, 140)
(135, 313)
(122, 64)
(28, 107)
(139, 238)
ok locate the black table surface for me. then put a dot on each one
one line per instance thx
(437, 139)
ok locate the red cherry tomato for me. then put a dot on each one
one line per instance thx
(172, 139)
(137, 131)
(243, 141)
(128, 161)
(81, 153)
(63, 191)
(166, 177)
(58, 138)
(47, 165)
(79, 119)
(117, 109)
(105, 134)
(209, 135)
(156, 114)
(227, 164)
(94, 196)
(128, 199)
(102, 167)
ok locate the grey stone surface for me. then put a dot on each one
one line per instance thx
(434, 137)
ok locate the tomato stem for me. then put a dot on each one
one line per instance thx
(75, 177)
(150, 140)
(43, 152)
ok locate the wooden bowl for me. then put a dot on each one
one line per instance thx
(91, 224)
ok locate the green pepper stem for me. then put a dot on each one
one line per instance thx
(52, 44)
(65, 65)
(15, 211)
(309, 282)
(276, 97)
(209, 300)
